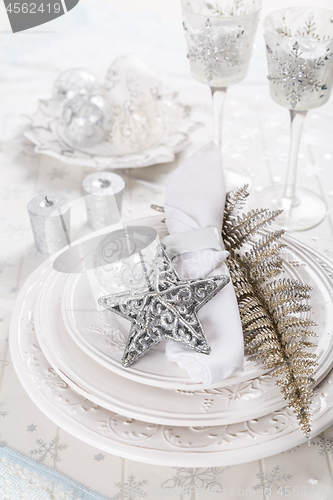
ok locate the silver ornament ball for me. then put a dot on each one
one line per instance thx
(86, 120)
(73, 82)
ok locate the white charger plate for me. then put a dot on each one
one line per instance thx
(136, 440)
(102, 335)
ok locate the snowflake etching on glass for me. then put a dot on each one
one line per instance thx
(309, 30)
(296, 74)
(237, 8)
(213, 48)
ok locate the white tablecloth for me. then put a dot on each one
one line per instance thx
(256, 138)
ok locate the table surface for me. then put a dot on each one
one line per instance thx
(255, 137)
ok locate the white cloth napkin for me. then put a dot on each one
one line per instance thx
(195, 198)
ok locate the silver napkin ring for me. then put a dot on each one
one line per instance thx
(199, 239)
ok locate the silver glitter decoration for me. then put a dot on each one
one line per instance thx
(213, 47)
(86, 120)
(73, 82)
(103, 193)
(50, 221)
(168, 311)
(296, 74)
(219, 40)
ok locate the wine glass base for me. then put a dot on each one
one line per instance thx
(236, 177)
(307, 210)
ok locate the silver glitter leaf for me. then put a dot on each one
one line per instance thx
(269, 310)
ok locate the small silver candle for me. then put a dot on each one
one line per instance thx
(50, 221)
(103, 193)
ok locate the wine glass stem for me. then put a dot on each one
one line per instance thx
(297, 121)
(218, 96)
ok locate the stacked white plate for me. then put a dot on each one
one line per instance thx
(67, 355)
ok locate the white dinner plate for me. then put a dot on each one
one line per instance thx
(173, 407)
(102, 335)
(203, 446)
(217, 406)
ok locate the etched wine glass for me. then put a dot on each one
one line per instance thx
(299, 48)
(220, 38)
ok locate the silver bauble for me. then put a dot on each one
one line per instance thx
(73, 82)
(86, 120)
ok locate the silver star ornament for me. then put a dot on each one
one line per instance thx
(166, 311)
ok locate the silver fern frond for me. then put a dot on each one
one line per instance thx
(270, 308)
(240, 229)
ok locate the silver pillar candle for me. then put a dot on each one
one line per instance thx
(103, 193)
(50, 221)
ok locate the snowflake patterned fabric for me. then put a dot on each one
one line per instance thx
(275, 479)
(324, 445)
(3, 413)
(131, 489)
(44, 450)
(189, 480)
